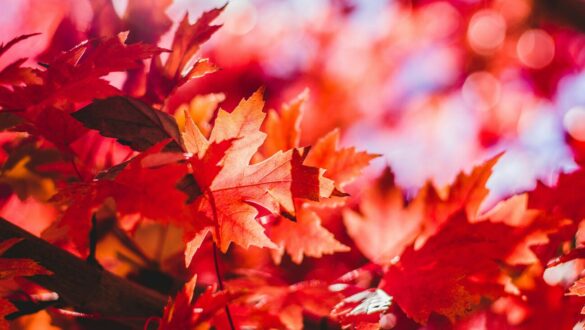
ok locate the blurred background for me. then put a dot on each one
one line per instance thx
(434, 86)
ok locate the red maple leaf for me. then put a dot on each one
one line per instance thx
(265, 300)
(180, 66)
(563, 199)
(73, 77)
(303, 237)
(454, 270)
(564, 205)
(11, 268)
(188, 312)
(146, 185)
(14, 74)
(363, 310)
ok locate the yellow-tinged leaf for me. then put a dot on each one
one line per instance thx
(200, 109)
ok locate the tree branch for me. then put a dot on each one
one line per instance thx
(83, 286)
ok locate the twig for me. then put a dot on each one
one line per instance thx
(215, 257)
(220, 284)
(82, 286)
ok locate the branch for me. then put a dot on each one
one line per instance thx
(83, 286)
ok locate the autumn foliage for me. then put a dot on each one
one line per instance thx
(235, 196)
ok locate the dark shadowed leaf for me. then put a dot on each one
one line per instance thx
(189, 186)
(8, 120)
(132, 122)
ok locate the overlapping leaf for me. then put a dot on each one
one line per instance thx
(46, 101)
(11, 268)
(186, 312)
(307, 236)
(362, 310)
(384, 225)
(265, 300)
(131, 121)
(146, 185)
(235, 194)
(455, 270)
(180, 66)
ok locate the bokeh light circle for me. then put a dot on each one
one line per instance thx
(481, 90)
(535, 48)
(486, 31)
(574, 122)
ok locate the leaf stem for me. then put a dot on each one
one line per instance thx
(220, 284)
(216, 257)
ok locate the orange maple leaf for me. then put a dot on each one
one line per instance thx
(307, 236)
(235, 192)
(342, 165)
(385, 225)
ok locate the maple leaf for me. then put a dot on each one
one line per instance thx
(283, 129)
(201, 109)
(540, 300)
(55, 125)
(187, 312)
(11, 268)
(146, 185)
(467, 192)
(578, 289)
(265, 298)
(563, 205)
(235, 193)
(341, 165)
(470, 189)
(74, 76)
(14, 41)
(363, 309)
(15, 74)
(563, 199)
(131, 121)
(306, 236)
(6, 308)
(145, 20)
(385, 225)
(454, 270)
(179, 67)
